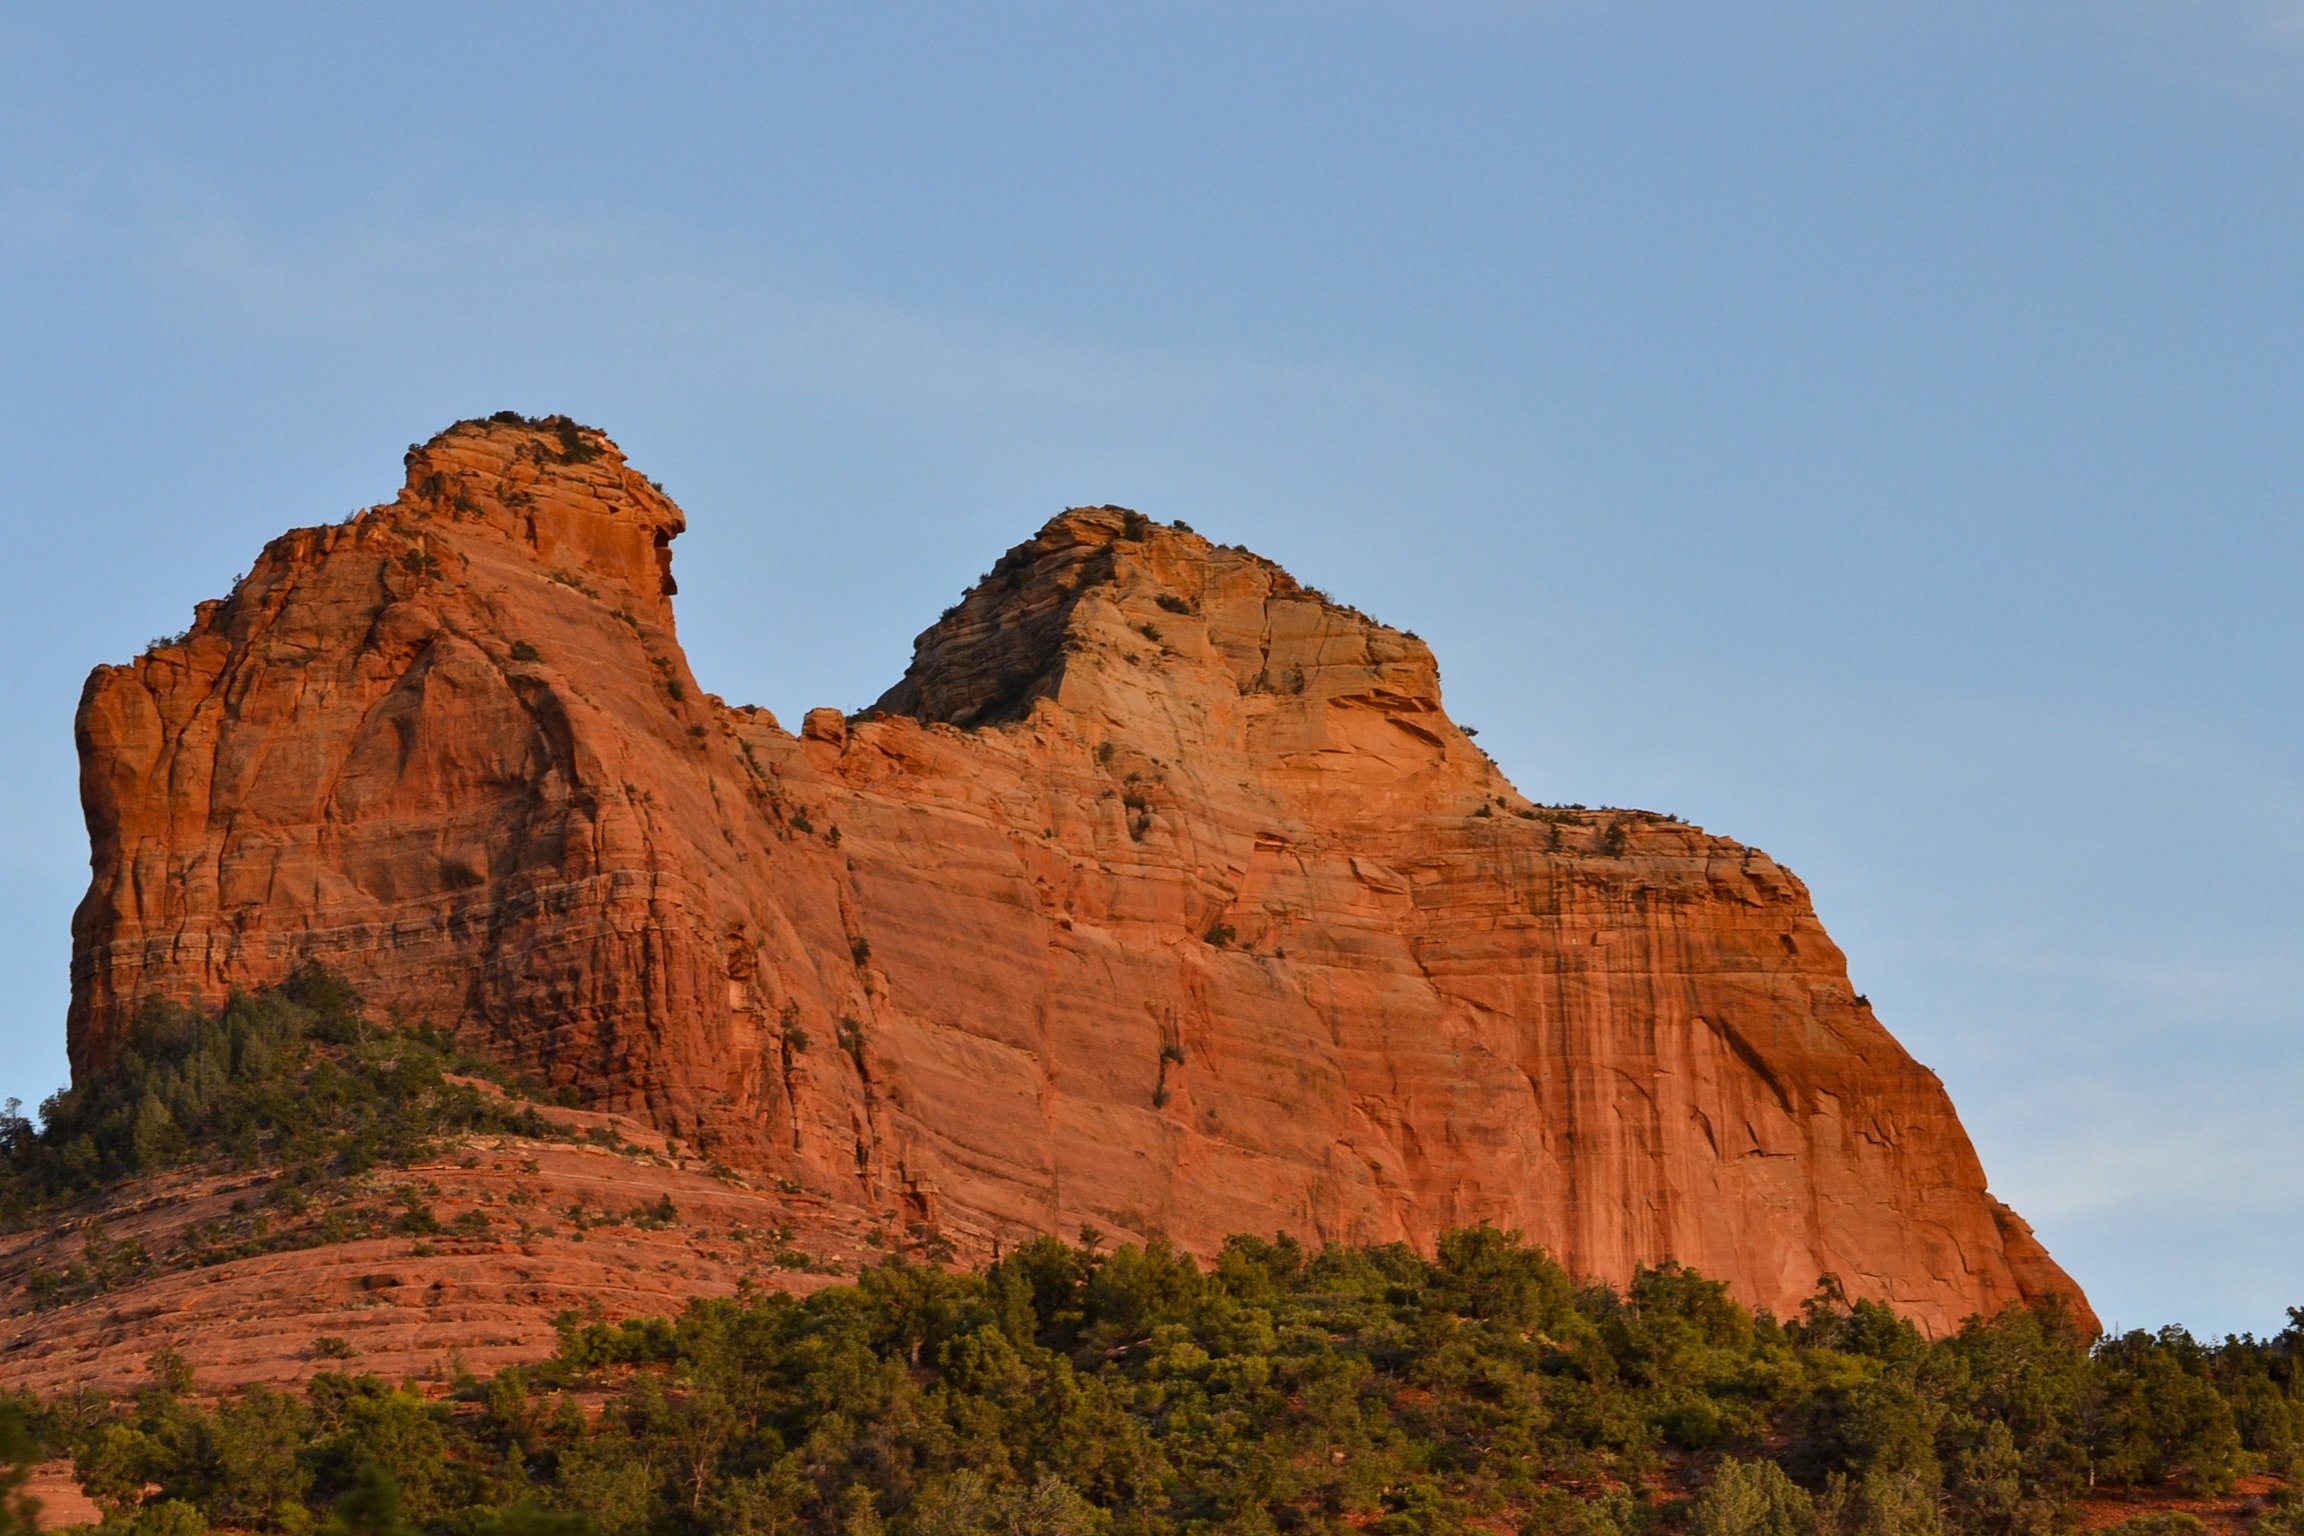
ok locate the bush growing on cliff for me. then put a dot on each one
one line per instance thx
(19, 1512)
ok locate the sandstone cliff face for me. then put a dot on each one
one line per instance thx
(1160, 895)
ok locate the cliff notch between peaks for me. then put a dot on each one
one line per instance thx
(1160, 895)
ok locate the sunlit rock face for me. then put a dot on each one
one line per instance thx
(1160, 895)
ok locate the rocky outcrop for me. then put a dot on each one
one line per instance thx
(1161, 896)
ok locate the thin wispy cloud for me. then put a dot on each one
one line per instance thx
(681, 309)
(2249, 51)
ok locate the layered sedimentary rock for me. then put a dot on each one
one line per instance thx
(529, 1228)
(1160, 896)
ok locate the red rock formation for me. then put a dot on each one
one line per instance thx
(1160, 895)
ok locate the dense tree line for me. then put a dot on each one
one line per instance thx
(1069, 1392)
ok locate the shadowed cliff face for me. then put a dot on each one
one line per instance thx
(1160, 895)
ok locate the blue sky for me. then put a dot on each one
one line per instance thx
(1871, 431)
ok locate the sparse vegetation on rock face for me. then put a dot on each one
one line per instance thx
(1069, 1391)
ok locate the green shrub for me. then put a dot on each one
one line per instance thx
(1752, 1498)
(2161, 1522)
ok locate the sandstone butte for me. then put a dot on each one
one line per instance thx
(1160, 896)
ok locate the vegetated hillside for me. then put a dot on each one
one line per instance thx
(298, 1077)
(1161, 894)
(287, 1185)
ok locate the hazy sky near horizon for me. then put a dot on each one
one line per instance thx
(1874, 432)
